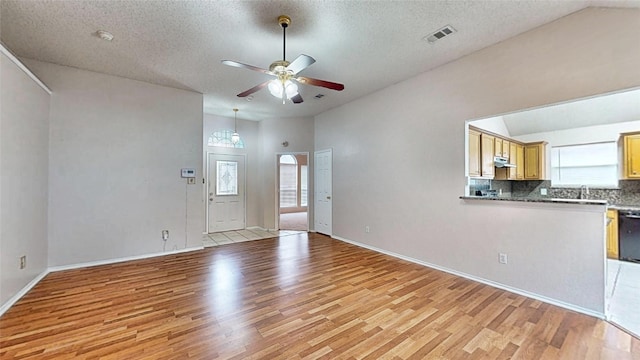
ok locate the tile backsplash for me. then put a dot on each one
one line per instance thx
(627, 193)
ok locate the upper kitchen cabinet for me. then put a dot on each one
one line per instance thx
(497, 145)
(481, 154)
(534, 161)
(519, 162)
(474, 154)
(487, 150)
(631, 156)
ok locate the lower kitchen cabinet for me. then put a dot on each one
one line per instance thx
(612, 234)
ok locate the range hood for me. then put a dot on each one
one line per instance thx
(502, 162)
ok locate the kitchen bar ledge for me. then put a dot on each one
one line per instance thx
(538, 200)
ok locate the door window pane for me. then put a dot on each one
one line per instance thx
(227, 178)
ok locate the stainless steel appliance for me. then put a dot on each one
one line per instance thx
(629, 235)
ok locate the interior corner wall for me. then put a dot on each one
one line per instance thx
(24, 142)
(115, 154)
(398, 158)
(299, 133)
(249, 134)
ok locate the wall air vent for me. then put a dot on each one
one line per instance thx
(445, 31)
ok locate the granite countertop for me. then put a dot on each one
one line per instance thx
(540, 200)
(631, 207)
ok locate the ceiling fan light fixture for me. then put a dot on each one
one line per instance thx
(291, 89)
(275, 88)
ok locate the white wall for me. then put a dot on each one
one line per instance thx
(399, 158)
(24, 142)
(273, 132)
(249, 133)
(116, 150)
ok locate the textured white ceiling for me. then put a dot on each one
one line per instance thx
(367, 45)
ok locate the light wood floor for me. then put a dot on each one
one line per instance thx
(296, 297)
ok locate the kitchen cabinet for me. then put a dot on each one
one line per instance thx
(520, 162)
(506, 150)
(534, 164)
(487, 150)
(474, 154)
(631, 156)
(497, 144)
(612, 234)
(513, 153)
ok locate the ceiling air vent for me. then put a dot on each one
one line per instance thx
(447, 30)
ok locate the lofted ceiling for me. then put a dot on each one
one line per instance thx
(606, 109)
(366, 45)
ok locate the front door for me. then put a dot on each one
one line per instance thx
(322, 183)
(226, 192)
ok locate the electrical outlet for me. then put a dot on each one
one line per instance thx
(366, 229)
(543, 191)
(23, 261)
(502, 258)
(165, 235)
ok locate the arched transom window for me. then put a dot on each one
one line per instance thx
(222, 138)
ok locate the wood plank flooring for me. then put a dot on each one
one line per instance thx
(297, 297)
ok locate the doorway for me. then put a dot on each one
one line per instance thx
(226, 192)
(292, 189)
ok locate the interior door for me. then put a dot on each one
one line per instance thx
(322, 183)
(226, 190)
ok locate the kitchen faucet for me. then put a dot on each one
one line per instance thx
(584, 191)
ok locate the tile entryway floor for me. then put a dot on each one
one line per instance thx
(624, 294)
(228, 237)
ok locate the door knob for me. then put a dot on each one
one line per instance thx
(210, 199)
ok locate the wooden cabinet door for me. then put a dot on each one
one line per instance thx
(487, 152)
(519, 162)
(612, 234)
(513, 159)
(498, 147)
(632, 156)
(534, 165)
(474, 154)
(505, 149)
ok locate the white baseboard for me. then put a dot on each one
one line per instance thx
(542, 298)
(256, 228)
(22, 292)
(123, 259)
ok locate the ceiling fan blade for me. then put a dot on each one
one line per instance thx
(318, 82)
(246, 66)
(297, 99)
(253, 89)
(300, 63)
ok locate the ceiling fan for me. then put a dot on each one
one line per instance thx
(284, 85)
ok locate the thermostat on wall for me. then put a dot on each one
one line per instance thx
(188, 173)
